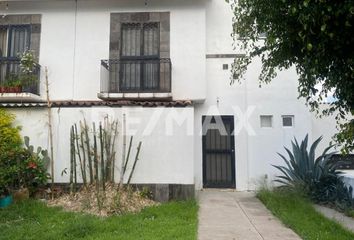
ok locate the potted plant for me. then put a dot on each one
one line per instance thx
(12, 84)
(24, 79)
(29, 70)
(5, 199)
(33, 168)
(7, 173)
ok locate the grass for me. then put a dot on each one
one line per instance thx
(298, 213)
(350, 213)
(34, 220)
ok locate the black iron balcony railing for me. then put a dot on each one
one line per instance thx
(14, 80)
(136, 76)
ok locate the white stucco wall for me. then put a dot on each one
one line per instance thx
(167, 145)
(256, 149)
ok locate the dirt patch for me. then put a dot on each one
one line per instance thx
(113, 201)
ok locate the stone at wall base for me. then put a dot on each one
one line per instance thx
(168, 192)
(160, 192)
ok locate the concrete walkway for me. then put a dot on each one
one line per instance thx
(228, 215)
(332, 214)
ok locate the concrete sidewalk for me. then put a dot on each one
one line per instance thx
(227, 215)
(332, 214)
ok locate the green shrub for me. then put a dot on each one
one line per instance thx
(317, 177)
(33, 168)
(10, 145)
(8, 172)
(10, 138)
(19, 166)
(350, 213)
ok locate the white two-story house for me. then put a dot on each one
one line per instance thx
(166, 66)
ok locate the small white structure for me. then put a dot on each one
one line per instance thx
(348, 178)
(166, 65)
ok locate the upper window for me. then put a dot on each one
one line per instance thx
(140, 40)
(288, 121)
(139, 53)
(140, 65)
(19, 33)
(14, 40)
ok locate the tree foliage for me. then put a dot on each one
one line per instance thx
(314, 36)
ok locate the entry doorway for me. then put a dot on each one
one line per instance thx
(218, 152)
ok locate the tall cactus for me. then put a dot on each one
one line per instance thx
(101, 156)
(135, 161)
(82, 166)
(83, 151)
(88, 149)
(72, 153)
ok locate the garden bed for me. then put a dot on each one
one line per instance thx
(113, 201)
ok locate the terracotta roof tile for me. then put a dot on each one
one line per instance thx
(121, 103)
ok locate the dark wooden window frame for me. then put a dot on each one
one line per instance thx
(142, 58)
(10, 29)
(142, 39)
(13, 59)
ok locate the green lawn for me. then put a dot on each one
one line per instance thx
(34, 220)
(350, 213)
(299, 214)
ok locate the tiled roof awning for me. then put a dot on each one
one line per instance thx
(60, 104)
(21, 105)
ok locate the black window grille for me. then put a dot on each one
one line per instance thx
(15, 40)
(140, 47)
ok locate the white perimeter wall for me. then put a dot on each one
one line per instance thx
(167, 150)
(74, 42)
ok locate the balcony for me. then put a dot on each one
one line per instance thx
(135, 79)
(15, 86)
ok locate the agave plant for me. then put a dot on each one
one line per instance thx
(302, 167)
(319, 177)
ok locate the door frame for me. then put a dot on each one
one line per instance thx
(224, 118)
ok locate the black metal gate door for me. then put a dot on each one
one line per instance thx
(218, 152)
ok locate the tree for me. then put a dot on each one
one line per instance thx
(314, 36)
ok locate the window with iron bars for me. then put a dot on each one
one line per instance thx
(139, 56)
(14, 40)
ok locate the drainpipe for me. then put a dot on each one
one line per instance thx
(74, 54)
(247, 139)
